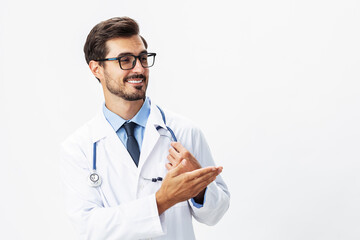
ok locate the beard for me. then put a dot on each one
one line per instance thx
(119, 90)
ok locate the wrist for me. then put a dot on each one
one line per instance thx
(162, 202)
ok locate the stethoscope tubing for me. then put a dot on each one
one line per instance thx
(98, 181)
(94, 156)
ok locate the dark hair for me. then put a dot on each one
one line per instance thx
(95, 45)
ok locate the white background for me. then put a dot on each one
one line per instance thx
(274, 86)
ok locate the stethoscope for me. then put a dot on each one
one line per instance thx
(94, 178)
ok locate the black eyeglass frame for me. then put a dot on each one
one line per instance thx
(134, 62)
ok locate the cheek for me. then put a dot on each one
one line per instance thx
(123, 74)
(116, 75)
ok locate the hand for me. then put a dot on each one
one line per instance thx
(178, 186)
(177, 153)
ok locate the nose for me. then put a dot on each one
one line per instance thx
(138, 67)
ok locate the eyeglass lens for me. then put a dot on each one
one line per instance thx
(129, 62)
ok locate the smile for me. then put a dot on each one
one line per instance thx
(135, 81)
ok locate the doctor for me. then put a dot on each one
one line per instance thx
(136, 171)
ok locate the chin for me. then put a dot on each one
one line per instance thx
(134, 97)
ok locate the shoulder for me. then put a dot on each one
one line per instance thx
(186, 130)
(180, 123)
(79, 138)
(190, 136)
(76, 149)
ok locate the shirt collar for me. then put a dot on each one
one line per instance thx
(140, 118)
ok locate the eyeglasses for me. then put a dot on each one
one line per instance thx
(128, 61)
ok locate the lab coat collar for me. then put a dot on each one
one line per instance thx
(155, 117)
(101, 128)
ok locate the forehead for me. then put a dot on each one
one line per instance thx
(132, 44)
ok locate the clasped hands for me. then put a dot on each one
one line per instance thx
(186, 178)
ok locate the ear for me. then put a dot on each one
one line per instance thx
(96, 69)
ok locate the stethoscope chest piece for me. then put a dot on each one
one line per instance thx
(94, 179)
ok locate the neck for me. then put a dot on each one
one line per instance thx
(125, 109)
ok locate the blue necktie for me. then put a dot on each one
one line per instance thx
(131, 143)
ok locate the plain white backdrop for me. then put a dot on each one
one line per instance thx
(274, 86)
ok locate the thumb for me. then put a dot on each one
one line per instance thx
(179, 168)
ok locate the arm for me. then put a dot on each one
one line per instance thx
(135, 219)
(215, 198)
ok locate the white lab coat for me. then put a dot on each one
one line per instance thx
(124, 206)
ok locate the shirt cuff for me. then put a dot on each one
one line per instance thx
(198, 205)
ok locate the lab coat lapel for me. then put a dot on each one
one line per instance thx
(115, 149)
(151, 135)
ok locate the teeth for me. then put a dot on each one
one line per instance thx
(134, 81)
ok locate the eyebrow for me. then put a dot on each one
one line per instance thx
(129, 53)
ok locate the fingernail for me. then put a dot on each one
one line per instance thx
(183, 162)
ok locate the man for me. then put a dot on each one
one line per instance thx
(143, 184)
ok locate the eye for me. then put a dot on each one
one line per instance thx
(144, 58)
(125, 59)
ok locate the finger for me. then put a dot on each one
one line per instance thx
(174, 154)
(205, 177)
(169, 166)
(219, 169)
(198, 185)
(178, 169)
(200, 172)
(202, 185)
(205, 180)
(172, 160)
(202, 182)
(178, 146)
